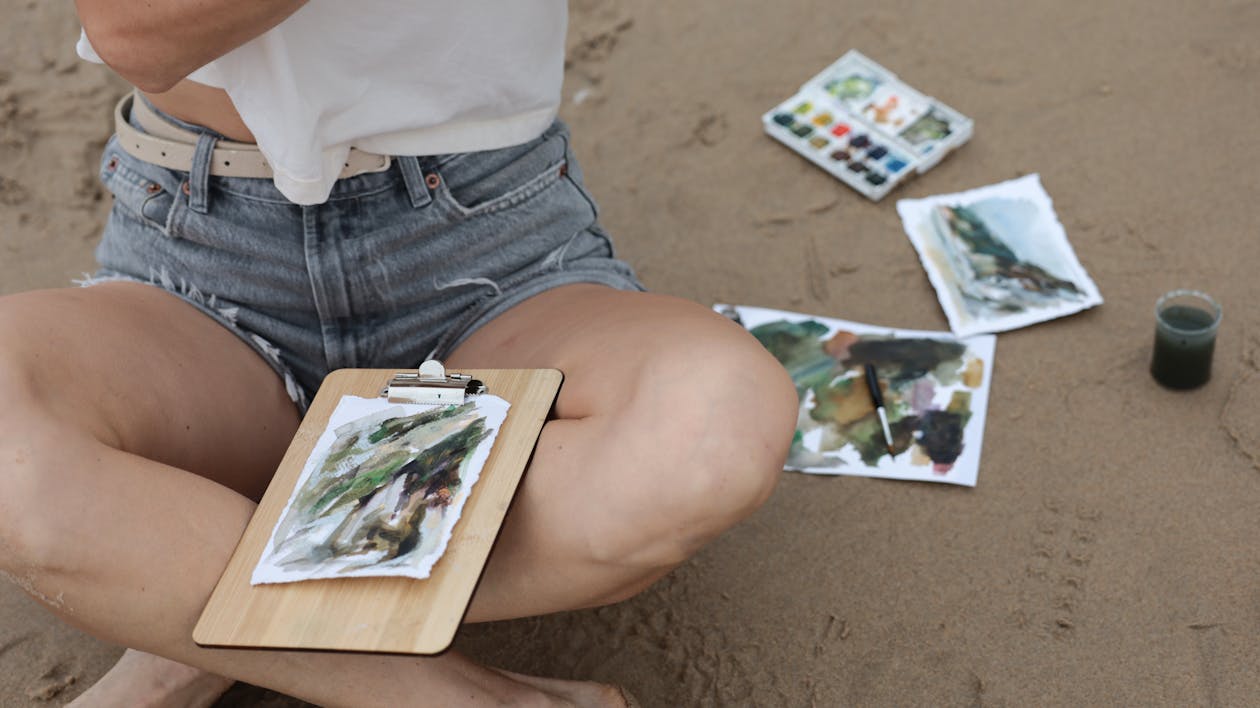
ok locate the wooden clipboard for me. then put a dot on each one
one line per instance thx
(393, 615)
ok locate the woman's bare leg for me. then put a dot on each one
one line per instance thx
(137, 431)
(134, 434)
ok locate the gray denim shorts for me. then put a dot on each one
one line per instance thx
(396, 267)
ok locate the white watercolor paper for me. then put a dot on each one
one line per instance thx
(997, 256)
(935, 389)
(382, 490)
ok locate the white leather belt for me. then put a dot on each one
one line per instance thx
(170, 146)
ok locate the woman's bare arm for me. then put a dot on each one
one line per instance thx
(155, 43)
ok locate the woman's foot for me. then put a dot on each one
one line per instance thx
(141, 680)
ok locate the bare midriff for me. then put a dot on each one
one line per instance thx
(205, 106)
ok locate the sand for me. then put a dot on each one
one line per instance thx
(1107, 554)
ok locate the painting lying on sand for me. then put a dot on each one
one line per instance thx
(997, 256)
(382, 490)
(935, 388)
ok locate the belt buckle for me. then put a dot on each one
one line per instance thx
(352, 169)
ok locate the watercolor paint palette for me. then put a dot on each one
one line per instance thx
(864, 126)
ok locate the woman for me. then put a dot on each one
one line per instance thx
(301, 187)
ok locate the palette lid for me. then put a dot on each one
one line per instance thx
(921, 123)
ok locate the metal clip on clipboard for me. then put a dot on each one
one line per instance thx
(431, 384)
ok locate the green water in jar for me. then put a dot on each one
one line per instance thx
(1184, 342)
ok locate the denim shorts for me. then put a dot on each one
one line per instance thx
(396, 267)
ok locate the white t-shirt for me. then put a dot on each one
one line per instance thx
(417, 77)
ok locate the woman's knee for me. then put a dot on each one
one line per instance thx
(750, 406)
(721, 437)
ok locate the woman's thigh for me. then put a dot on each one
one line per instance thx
(615, 345)
(144, 372)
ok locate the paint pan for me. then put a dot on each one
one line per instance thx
(864, 126)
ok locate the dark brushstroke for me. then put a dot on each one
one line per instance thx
(904, 360)
(940, 433)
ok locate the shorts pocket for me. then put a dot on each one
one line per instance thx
(144, 191)
(489, 181)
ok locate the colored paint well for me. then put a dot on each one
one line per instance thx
(895, 165)
(875, 178)
(860, 141)
(818, 142)
(822, 120)
(784, 119)
(841, 155)
(877, 152)
(856, 166)
(803, 108)
(802, 130)
(840, 130)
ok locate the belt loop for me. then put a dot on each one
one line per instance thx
(199, 174)
(413, 176)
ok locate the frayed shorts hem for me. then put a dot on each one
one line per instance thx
(224, 315)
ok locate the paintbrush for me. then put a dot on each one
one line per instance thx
(877, 397)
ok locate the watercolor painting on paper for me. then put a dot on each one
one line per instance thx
(382, 490)
(997, 256)
(935, 388)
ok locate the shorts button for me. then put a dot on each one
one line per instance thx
(185, 188)
(153, 188)
(431, 180)
(112, 164)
